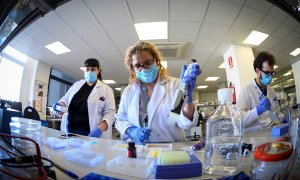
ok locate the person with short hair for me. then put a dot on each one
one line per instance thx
(90, 103)
(257, 99)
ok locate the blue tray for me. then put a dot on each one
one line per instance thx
(194, 169)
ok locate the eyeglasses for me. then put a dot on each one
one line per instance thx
(268, 73)
(146, 65)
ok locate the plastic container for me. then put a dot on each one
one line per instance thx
(55, 143)
(123, 147)
(28, 128)
(271, 160)
(79, 143)
(84, 157)
(136, 167)
(224, 131)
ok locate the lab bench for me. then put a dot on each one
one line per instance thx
(104, 146)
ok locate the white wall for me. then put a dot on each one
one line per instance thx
(209, 96)
(26, 92)
(43, 72)
(296, 72)
(241, 73)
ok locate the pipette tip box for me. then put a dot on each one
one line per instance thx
(161, 146)
(84, 157)
(54, 143)
(193, 169)
(280, 130)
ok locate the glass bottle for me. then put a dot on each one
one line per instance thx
(131, 150)
(224, 131)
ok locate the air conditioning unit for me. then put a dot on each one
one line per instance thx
(171, 50)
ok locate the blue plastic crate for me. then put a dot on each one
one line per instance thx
(194, 169)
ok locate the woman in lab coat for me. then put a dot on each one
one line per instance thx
(91, 104)
(143, 114)
(257, 100)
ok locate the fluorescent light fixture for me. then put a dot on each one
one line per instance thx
(255, 38)
(118, 89)
(109, 81)
(58, 48)
(212, 78)
(274, 79)
(222, 65)
(152, 30)
(295, 52)
(275, 66)
(202, 87)
(164, 64)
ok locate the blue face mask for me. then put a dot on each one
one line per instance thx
(265, 80)
(90, 76)
(147, 75)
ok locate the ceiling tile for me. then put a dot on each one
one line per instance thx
(282, 45)
(270, 42)
(292, 36)
(282, 30)
(236, 1)
(81, 21)
(148, 11)
(237, 34)
(40, 35)
(107, 49)
(268, 25)
(205, 45)
(213, 31)
(277, 13)
(68, 8)
(262, 6)
(188, 10)
(56, 27)
(183, 31)
(249, 18)
(120, 17)
(95, 36)
(290, 21)
(222, 12)
(122, 34)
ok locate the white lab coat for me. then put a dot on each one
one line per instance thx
(98, 110)
(247, 102)
(158, 109)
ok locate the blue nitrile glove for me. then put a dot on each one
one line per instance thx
(96, 133)
(190, 79)
(263, 104)
(54, 107)
(138, 134)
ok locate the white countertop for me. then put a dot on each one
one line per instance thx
(104, 146)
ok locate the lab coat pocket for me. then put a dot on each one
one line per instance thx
(100, 106)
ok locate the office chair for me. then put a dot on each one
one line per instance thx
(31, 113)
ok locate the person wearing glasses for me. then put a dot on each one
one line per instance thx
(90, 103)
(143, 114)
(258, 101)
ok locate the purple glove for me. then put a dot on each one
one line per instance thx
(138, 134)
(96, 133)
(190, 79)
(263, 104)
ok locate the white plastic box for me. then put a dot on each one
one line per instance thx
(136, 167)
(84, 157)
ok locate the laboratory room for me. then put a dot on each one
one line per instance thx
(140, 89)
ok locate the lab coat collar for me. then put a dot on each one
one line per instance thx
(95, 89)
(255, 85)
